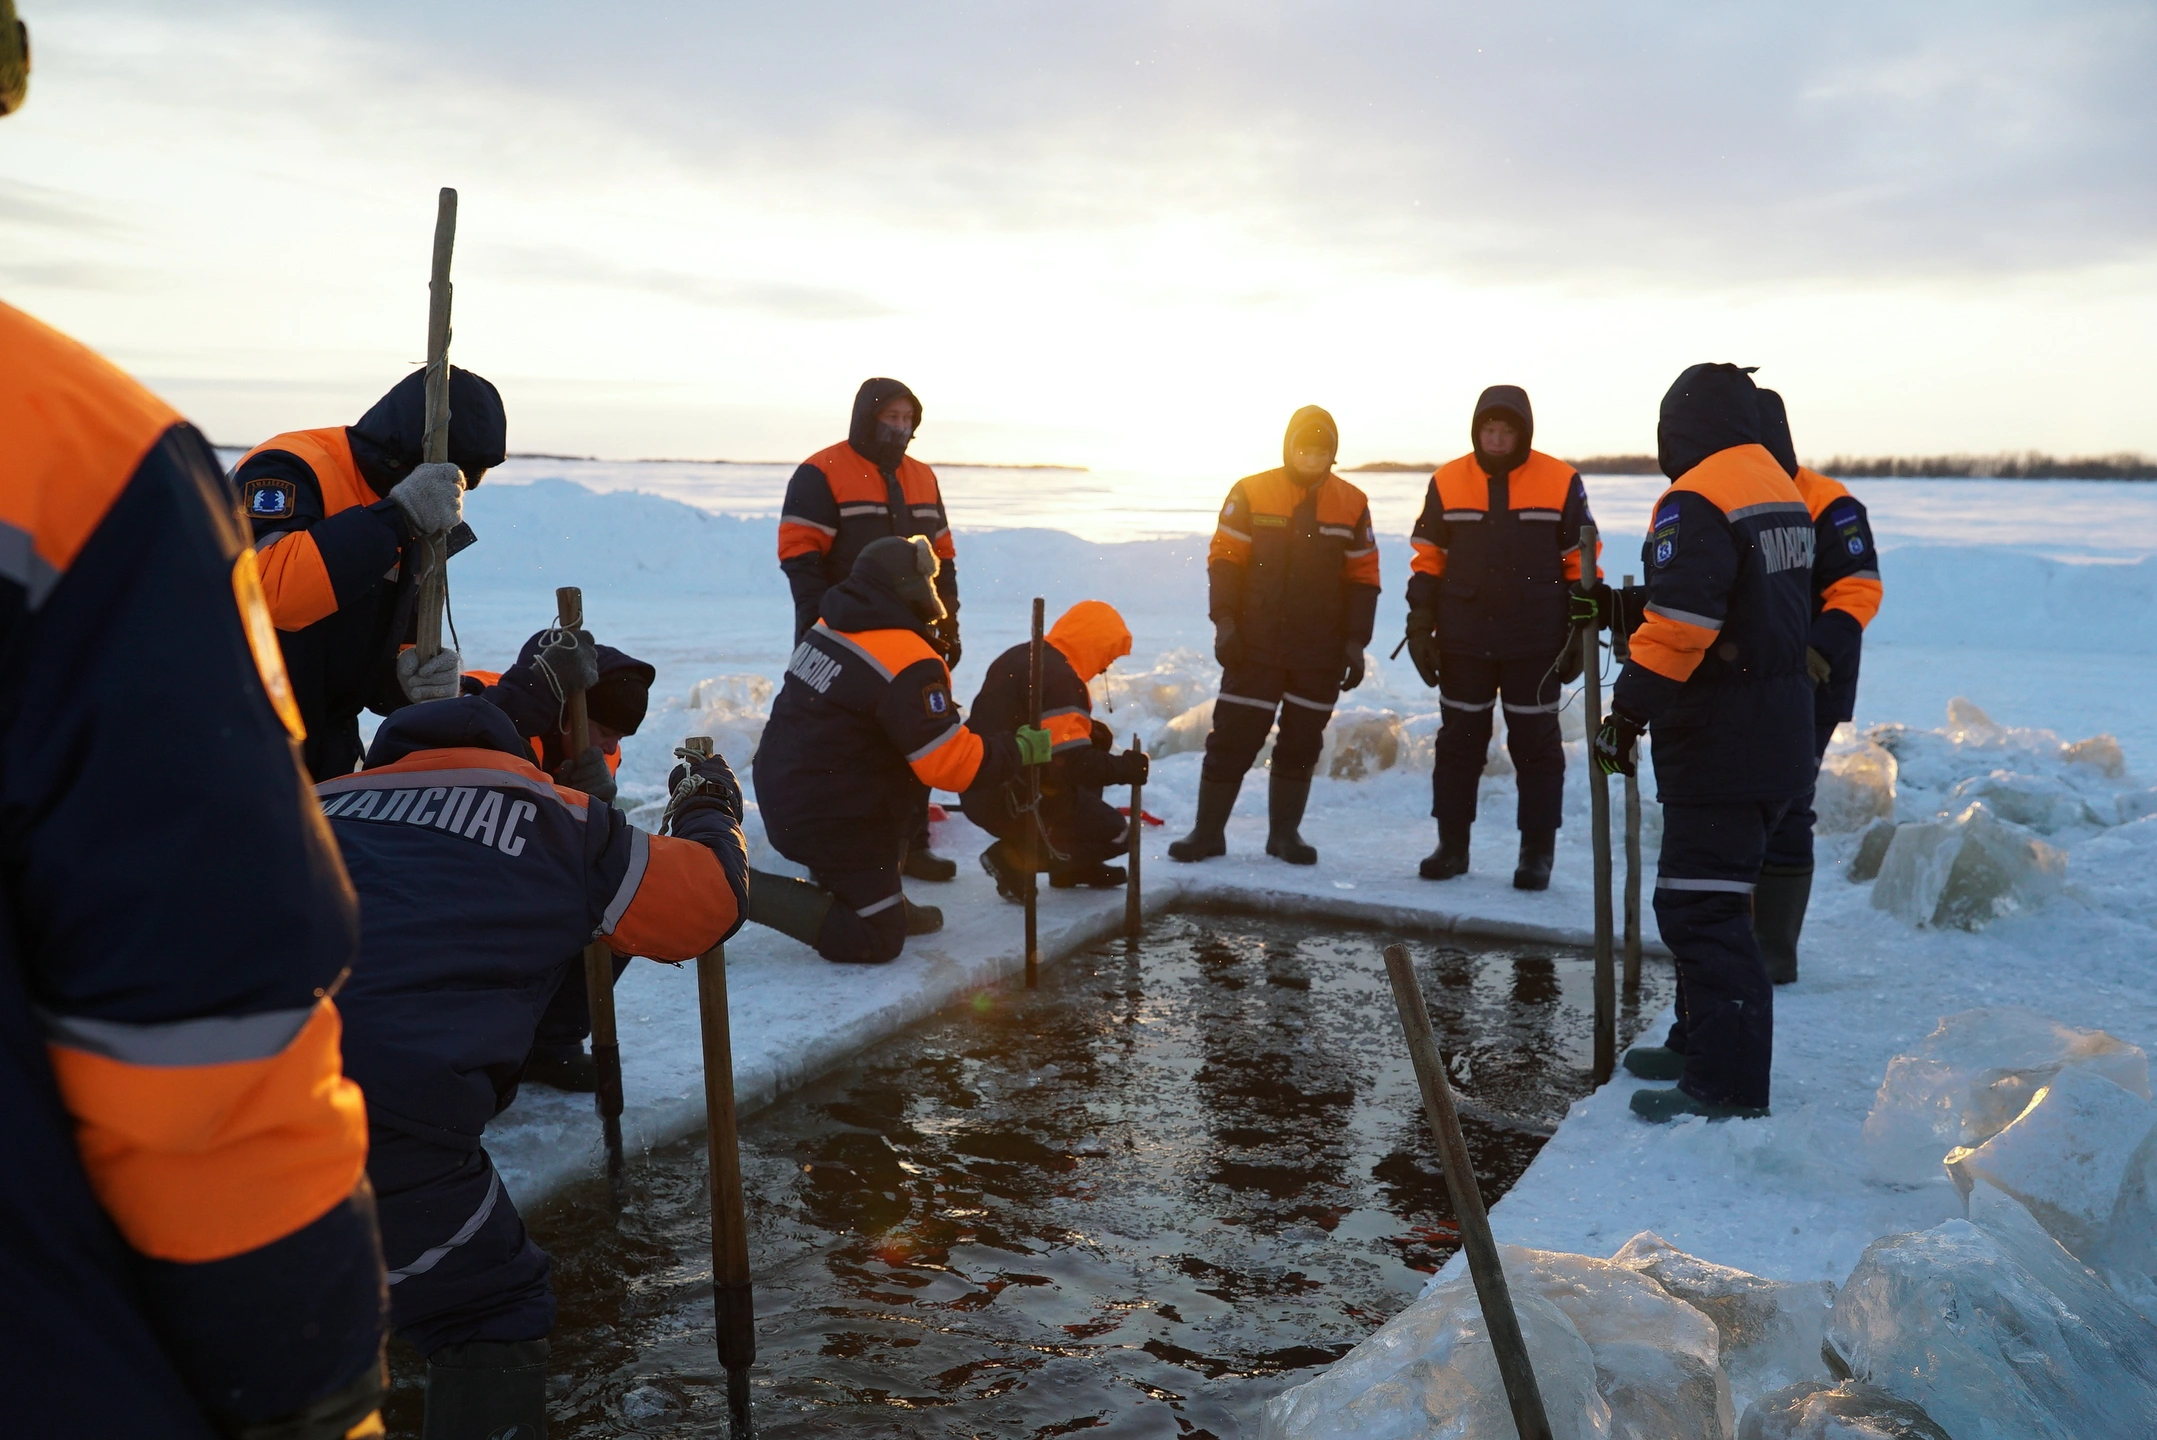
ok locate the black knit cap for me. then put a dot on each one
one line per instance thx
(387, 442)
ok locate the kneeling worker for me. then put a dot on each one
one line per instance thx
(1497, 556)
(1718, 671)
(1083, 829)
(478, 878)
(1293, 591)
(863, 727)
(1845, 597)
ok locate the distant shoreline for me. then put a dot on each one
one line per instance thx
(699, 460)
(2025, 465)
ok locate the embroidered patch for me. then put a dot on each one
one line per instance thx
(1855, 544)
(1271, 522)
(269, 499)
(936, 701)
(1666, 534)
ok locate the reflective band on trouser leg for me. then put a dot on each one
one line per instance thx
(1306, 708)
(429, 1258)
(208, 1138)
(1532, 700)
(1242, 718)
(466, 1268)
(868, 925)
(1711, 857)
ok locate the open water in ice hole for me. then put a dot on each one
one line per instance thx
(1139, 1200)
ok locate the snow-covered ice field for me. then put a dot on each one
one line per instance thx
(2035, 601)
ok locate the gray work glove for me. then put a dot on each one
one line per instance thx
(1817, 668)
(432, 497)
(589, 773)
(436, 679)
(568, 662)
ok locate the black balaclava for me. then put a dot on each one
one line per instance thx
(1775, 432)
(905, 566)
(1309, 421)
(387, 442)
(867, 436)
(1708, 408)
(1511, 403)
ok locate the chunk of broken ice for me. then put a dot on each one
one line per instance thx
(1359, 743)
(2045, 803)
(1856, 786)
(1871, 850)
(2065, 1156)
(1943, 1094)
(1997, 1332)
(1768, 1331)
(1965, 872)
(1853, 1410)
(1430, 1370)
(2100, 752)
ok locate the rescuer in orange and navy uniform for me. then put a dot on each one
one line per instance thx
(479, 881)
(335, 512)
(616, 686)
(1846, 595)
(867, 488)
(1718, 672)
(1084, 831)
(1497, 557)
(1293, 592)
(186, 1233)
(863, 726)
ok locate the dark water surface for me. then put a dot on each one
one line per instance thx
(1137, 1201)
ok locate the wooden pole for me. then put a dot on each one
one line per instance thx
(598, 956)
(1033, 800)
(733, 1299)
(1491, 1290)
(1134, 913)
(1622, 649)
(434, 442)
(1606, 990)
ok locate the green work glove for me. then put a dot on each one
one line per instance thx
(1035, 747)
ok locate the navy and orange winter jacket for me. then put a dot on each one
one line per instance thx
(1498, 543)
(331, 547)
(1295, 565)
(848, 494)
(479, 879)
(187, 1244)
(1086, 640)
(1718, 663)
(864, 725)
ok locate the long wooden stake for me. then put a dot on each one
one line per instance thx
(598, 956)
(1134, 912)
(1622, 649)
(1491, 1291)
(733, 1299)
(1033, 800)
(434, 442)
(1606, 989)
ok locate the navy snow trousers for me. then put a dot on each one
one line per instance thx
(462, 1267)
(1790, 847)
(1469, 687)
(1243, 717)
(1710, 861)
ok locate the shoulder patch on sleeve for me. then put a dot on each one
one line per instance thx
(936, 701)
(269, 499)
(1664, 539)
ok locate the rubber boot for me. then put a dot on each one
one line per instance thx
(1007, 870)
(1779, 901)
(1451, 856)
(927, 865)
(1216, 802)
(487, 1390)
(575, 1072)
(794, 908)
(1089, 877)
(1537, 849)
(1654, 1062)
(922, 919)
(1285, 799)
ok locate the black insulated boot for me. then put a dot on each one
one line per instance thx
(1451, 856)
(922, 919)
(1208, 838)
(928, 865)
(1779, 902)
(1537, 849)
(1089, 877)
(487, 1390)
(794, 908)
(1006, 870)
(1285, 800)
(573, 1071)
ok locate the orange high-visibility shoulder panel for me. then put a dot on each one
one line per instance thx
(855, 480)
(1817, 491)
(892, 649)
(1735, 481)
(73, 431)
(294, 579)
(201, 1162)
(1858, 596)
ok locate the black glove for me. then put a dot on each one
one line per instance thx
(1352, 665)
(1103, 738)
(1132, 767)
(568, 662)
(1616, 746)
(944, 635)
(1423, 645)
(1571, 660)
(1593, 603)
(714, 777)
(589, 773)
(1227, 644)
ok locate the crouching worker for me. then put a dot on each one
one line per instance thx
(863, 727)
(478, 880)
(1084, 831)
(1292, 591)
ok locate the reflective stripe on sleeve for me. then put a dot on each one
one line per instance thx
(211, 1040)
(640, 855)
(1685, 617)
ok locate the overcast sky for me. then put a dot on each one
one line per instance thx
(1112, 234)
